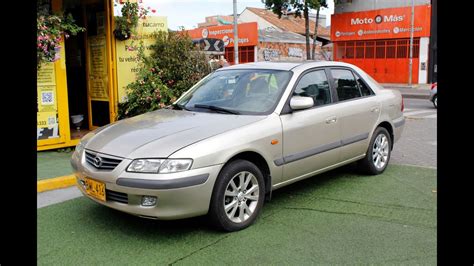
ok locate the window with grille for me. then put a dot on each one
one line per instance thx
(377, 49)
(246, 54)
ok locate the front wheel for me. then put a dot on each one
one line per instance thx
(378, 153)
(238, 196)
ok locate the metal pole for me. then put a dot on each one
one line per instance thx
(236, 35)
(412, 28)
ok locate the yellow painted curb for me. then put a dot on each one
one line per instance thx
(55, 183)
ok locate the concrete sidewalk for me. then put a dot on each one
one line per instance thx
(415, 91)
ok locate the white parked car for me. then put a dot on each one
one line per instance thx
(236, 136)
(434, 94)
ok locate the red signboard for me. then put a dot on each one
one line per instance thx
(390, 23)
(248, 34)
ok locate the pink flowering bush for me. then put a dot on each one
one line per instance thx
(50, 32)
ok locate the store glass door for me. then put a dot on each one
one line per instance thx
(97, 65)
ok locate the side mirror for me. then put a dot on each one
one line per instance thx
(299, 102)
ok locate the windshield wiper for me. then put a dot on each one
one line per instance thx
(216, 108)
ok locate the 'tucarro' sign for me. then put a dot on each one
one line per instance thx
(380, 24)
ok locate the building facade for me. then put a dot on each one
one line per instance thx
(81, 91)
(375, 35)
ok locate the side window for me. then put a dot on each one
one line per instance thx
(364, 89)
(346, 84)
(314, 84)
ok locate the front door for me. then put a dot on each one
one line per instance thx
(311, 136)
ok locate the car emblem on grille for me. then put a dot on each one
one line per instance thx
(97, 161)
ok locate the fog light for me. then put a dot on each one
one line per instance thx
(149, 201)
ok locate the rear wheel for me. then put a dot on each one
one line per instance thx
(378, 153)
(238, 196)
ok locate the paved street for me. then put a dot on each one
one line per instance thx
(418, 144)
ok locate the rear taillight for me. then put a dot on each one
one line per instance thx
(434, 85)
(403, 105)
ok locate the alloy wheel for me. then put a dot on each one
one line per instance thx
(241, 197)
(380, 151)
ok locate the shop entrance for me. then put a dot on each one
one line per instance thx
(88, 82)
(387, 61)
(246, 54)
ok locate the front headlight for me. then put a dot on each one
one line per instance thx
(175, 165)
(80, 147)
(161, 166)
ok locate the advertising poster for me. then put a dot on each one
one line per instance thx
(98, 77)
(47, 106)
(127, 60)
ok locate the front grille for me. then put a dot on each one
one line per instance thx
(101, 161)
(116, 196)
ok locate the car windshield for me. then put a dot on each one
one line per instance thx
(247, 92)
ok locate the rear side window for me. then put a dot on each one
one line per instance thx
(346, 84)
(364, 89)
(315, 85)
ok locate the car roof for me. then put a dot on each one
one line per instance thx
(285, 65)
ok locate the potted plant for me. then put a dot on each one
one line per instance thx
(50, 32)
(126, 24)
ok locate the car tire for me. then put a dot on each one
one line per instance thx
(435, 101)
(379, 147)
(235, 206)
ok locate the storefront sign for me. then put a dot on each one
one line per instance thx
(380, 24)
(248, 34)
(98, 77)
(47, 106)
(127, 55)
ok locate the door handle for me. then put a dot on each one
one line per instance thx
(331, 120)
(374, 109)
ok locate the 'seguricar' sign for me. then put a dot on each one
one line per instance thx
(127, 56)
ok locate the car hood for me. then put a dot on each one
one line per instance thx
(161, 133)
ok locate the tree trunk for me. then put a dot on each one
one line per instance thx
(313, 55)
(306, 26)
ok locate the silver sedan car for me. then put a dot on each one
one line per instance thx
(237, 135)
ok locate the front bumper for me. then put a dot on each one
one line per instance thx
(179, 195)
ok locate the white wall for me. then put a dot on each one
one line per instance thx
(424, 48)
(249, 16)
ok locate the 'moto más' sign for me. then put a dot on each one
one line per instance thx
(380, 24)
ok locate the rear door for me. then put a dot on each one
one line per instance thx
(311, 136)
(357, 113)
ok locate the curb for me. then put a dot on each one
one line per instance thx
(416, 96)
(55, 183)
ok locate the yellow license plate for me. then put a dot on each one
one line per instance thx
(95, 188)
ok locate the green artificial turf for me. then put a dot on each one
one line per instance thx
(334, 218)
(51, 164)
